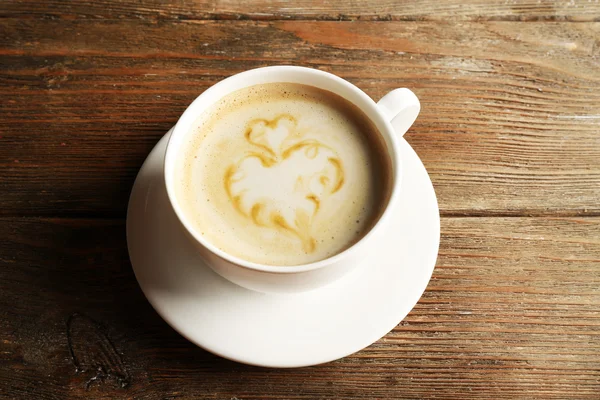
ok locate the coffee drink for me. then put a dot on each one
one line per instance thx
(283, 174)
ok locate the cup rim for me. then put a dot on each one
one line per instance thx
(370, 109)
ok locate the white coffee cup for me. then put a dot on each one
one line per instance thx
(392, 116)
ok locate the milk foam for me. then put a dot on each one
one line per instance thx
(283, 174)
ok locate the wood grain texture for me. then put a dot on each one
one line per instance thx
(509, 123)
(509, 132)
(512, 312)
(383, 10)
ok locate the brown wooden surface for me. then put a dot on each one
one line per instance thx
(380, 10)
(509, 131)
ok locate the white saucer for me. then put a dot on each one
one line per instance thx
(287, 330)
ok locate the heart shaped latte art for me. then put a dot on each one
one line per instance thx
(283, 179)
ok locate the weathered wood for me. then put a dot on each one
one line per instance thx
(512, 311)
(509, 125)
(386, 10)
(509, 128)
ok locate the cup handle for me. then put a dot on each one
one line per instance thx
(401, 107)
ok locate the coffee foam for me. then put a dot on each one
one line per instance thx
(283, 174)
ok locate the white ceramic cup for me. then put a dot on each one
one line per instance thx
(392, 116)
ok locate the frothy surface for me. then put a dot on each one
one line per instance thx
(283, 174)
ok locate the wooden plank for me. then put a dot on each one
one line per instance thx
(512, 312)
(386, 10)
(509, 124)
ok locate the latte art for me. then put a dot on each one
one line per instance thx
(293, 196)
(283, 174)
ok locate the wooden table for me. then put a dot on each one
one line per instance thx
(509, 131)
